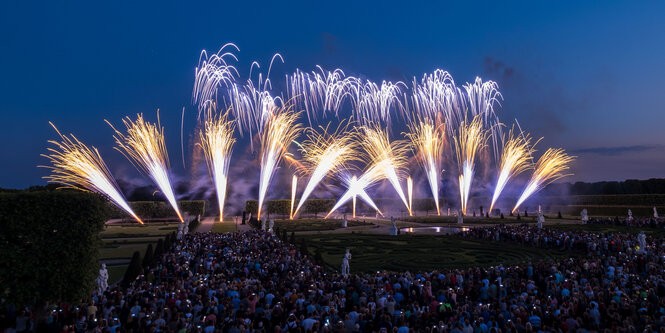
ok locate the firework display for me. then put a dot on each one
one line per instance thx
(77, 166)
(217, 144)
(396, 129)
(145, 147)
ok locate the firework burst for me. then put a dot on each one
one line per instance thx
(280, 130)
(145, 147)
(470, 139)
(217, 143)
(77, 166)
(515, 159)
(427, 143)
(356, 188)
(324, 154)
(387, 159)
(549, 168)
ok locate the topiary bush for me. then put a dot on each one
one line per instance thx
(49, 245)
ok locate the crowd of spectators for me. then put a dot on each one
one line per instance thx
(254, 282)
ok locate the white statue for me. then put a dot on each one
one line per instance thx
(642, 241)
(271, 225)
(655, 212)
(181, 227)
(585, 216)
(344, 222)
(185, 229)
(541, 217)
(263, 224)
(103, 279)
(393, 227)
(460, 217)
(345, 263)
(448, 211)
(630, 215)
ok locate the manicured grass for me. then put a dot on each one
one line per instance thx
(137, 230)
(224, 227)
(315, 224)
(608, 229)
(419, 252)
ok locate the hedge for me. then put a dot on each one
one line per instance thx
(283, 206)
(49, 245)
(160, 209)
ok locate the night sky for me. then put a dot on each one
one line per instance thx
(588, 77)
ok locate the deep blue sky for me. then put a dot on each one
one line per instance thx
(589, 77)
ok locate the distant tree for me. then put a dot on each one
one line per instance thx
(159, 249)
(133, 270)
(303, 246)
(518, 216)
(148, 258)
(559, 216)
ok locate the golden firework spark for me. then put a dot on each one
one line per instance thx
(280, 130)
(217, 143)
(470, 139)
(324, 154)
(356, 188)
(386, 159)
(409, 187)
(294, 187)
(549, 168)
(427, 143)
(515, 159)
(145, 147)
(77, 166)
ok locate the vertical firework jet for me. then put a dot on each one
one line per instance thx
(470, 139)
(217, 144)
(280, 130)
(515, 159)
(427, 143)
(409, 190)
(386, 158)
(325, 153)
(549, 168)
(144, 146)
(77, 166)
(294, 187)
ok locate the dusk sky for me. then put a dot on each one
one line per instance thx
(587, 76)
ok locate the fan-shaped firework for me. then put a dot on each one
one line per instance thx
(77, 166)
(280, 130)
(388, 158)
(325, 153)
(549, 168)
(515, 159)
(144, 146)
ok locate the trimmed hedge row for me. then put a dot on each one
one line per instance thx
(283, 206)
(49, 245)
(622, 211)
(160, 209)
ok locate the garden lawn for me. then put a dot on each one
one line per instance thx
(419, 252)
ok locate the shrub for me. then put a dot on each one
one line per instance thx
(148, 258)
(49, 245)
(133, 270)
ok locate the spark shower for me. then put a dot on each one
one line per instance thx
(385, 132)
